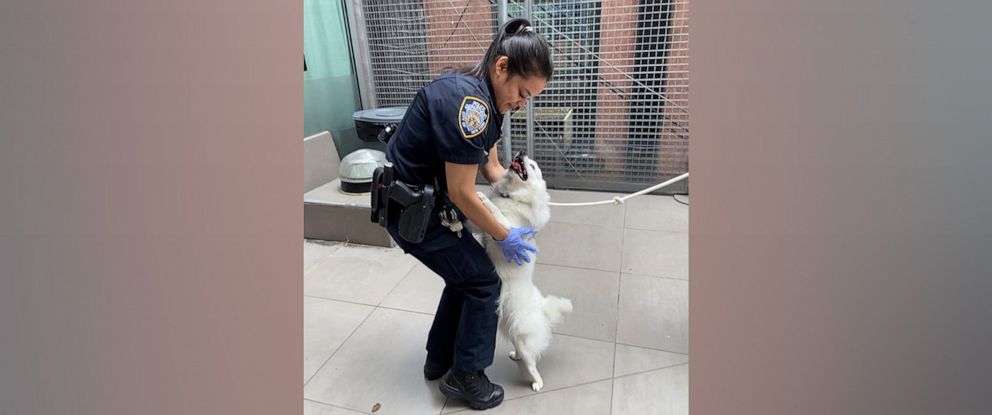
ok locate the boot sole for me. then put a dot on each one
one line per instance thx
(452, 393)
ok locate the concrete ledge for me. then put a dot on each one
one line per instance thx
(332, 215)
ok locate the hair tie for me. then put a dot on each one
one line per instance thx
(521, 29)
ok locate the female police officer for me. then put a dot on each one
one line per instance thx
(449, 132)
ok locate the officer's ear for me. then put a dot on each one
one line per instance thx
(502, 65)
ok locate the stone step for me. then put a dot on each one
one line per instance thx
(332, 215)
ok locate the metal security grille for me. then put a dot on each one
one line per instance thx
(615, 116)
(411, 42)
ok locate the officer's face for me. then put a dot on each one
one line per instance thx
(512, 92)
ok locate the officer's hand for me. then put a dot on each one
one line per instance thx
(515, 248)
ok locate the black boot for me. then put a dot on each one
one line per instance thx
(474, 388)
(434, 371)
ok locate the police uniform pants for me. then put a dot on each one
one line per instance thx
(464, 329)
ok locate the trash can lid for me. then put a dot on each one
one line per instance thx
(381, 115)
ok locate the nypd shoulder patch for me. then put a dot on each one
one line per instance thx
(473, 117)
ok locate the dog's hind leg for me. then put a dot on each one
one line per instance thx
(524, 356)
(532, 369)
(514, 355)
(529, 359)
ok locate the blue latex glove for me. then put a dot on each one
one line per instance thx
(515, 247)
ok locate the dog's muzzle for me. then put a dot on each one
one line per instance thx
(517, 165)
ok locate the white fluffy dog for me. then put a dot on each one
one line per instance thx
(520, 198)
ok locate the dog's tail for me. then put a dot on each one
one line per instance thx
(556, 307)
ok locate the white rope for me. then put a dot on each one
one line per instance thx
(619, 200)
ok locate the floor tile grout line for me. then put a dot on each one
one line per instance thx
(334, 406)
(685, 232)
(616, 327)
(336, 349)
(368, 305)
(444, 405)
(609, 270)
(587, 268)
(652, 348)
(405, 276)
(655, 276)
(613, 370)
(577, 336)
(651, 370)
(580, 268)
(339, 300)
(546, 391)
(407, 311)
(581, 337)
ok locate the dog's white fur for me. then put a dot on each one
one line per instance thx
(526, 317)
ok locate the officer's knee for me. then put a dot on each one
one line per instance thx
(485, 280)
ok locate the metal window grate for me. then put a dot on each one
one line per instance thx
(615, 116)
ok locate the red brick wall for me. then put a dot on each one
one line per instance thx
(454, 44)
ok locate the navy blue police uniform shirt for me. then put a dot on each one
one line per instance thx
(452, 119)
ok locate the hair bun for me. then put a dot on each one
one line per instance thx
(517, 26)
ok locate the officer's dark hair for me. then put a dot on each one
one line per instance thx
(527, 52)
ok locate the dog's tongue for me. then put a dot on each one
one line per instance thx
(516, 165)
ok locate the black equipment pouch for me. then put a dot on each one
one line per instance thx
(415, 205)
(417, 210)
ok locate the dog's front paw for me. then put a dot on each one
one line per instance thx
(536, 386)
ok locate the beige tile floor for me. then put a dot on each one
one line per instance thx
(623, 350)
